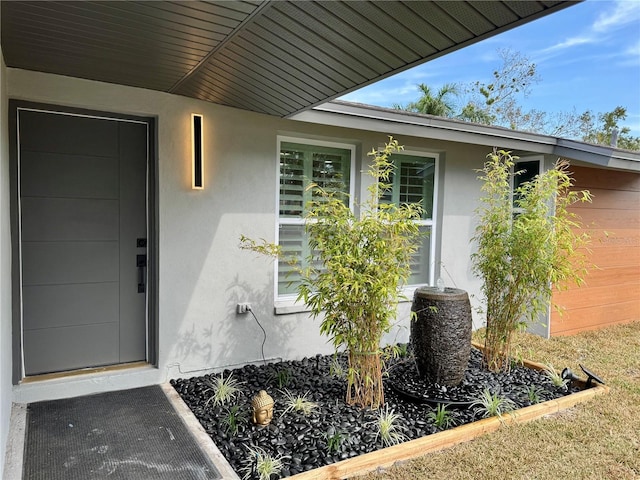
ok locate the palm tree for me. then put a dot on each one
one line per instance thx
(439, 105)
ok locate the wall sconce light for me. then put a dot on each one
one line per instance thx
(197, 161)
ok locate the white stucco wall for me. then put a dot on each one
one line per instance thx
(5, 273)
(202, 272)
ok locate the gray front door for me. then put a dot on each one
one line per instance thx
(82, 201)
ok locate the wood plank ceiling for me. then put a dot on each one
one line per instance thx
(273, 57)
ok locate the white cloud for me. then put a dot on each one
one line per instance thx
(633, 122)
(571, 42)
(623, 13)
(384, 93)
(417, 74)
(631, 56)
(634, 50)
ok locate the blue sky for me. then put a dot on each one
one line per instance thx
(587, 55)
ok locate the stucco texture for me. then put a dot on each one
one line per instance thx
(202, 272)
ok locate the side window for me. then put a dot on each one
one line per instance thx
(528, 170)
(302, 162)
(415, 181)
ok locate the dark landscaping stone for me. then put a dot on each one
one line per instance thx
(301, 440)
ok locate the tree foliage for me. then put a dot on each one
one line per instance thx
(604, 129)
(499, 102)
(440, 104)
(526, 244)
(495, 102)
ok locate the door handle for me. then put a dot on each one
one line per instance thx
(141, 263)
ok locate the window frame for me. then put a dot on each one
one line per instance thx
(286, 303)
(428, 222)
(516, 168)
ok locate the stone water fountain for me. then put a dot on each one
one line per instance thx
(441, 327)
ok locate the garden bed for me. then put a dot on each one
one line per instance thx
(336, 440)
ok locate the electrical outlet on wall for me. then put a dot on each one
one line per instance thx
(243, 307)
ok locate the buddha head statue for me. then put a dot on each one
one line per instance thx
(262, 408)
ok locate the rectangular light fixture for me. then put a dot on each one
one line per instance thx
(197, 165)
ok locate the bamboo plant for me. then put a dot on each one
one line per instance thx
(358, 264)
(527, 244)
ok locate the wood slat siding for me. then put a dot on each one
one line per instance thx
(611, 294)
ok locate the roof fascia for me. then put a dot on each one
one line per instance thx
(396, 122)
(601, 155)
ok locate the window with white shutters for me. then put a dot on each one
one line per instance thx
(326, 164)
(415, 181)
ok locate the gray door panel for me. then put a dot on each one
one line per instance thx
(58, 219)
(56, 349)
(79, 176)
(54, 263)
(83, 208)
(50, 306)
(133, 138)
(73, 135)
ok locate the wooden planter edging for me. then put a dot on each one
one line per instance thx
(386, 457)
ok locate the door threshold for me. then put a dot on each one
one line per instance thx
(83, 371)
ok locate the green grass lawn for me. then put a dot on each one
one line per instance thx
(598, 439)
